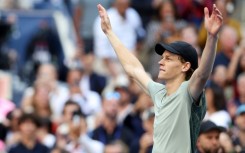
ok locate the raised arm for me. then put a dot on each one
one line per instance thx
(130, 63)
(199, 78)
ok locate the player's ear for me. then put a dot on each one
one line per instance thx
(186, 66)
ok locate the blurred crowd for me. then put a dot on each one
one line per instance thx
(62, 89)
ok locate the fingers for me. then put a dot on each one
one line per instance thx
(101, 10)
(220, 17)
(206, 12)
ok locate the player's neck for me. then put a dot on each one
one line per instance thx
(173, 85)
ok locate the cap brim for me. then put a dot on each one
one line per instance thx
(218, 128)
(161, 47)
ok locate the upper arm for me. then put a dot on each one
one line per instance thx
(142, 79)
(196, 85)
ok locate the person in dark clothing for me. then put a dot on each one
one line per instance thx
(208, 139)
(28, 125)
(110, 130)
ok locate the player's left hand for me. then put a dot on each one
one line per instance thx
(214, 21)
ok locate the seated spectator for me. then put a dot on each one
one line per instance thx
(59, 93)
(145, 143)
(125, 105)
(12, 136)
(228, 41)
(228, 21)
(109, 129)
(44, 133)
(219, 76)
(39, 102)
(208, 139)
(89, 101)
(28, 125)
(237, 64)
(237, 101)
(91, 80)
(239, 133)
(216, 106)
(189, 34)
(134, 120)
(72, 134)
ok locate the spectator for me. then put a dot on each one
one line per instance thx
(228, 42)
(72, 134)
(219, 76)
(88, 100)
(145, 143)
(28, 125)
(208, 139)
(216, 106)
(59, 92)
(39, 102)
(109, 129)
(125, 105)
(91, 80)
(189, 34)
(125, 21)
(84, 17)
(44, 133)
(239, 133)
(228, 21)
(237, 101)
(134, 120)
(41, 49)
(13, 134)
(237, 64)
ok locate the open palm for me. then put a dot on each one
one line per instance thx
(214, 21)
(105, 21)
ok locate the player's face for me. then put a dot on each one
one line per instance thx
(170, 66)
(209, 142)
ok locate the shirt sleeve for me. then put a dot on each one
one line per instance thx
(154, 88)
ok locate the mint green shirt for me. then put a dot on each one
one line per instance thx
(177, 119)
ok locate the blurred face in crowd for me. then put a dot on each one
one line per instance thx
(228, 38)
(221, 5)
(47, 71)
(74, 77)
(167, 11)
(240, 122)
(110, 107)
(122, 6)
(189, 35)
(41, 95)
(219, 75)
(68, 112)
(124, 95)
(73, 80)
(28, 128)
(88, 62)
(209, 142)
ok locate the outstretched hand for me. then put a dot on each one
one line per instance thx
(105, 21)
(214, 21)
